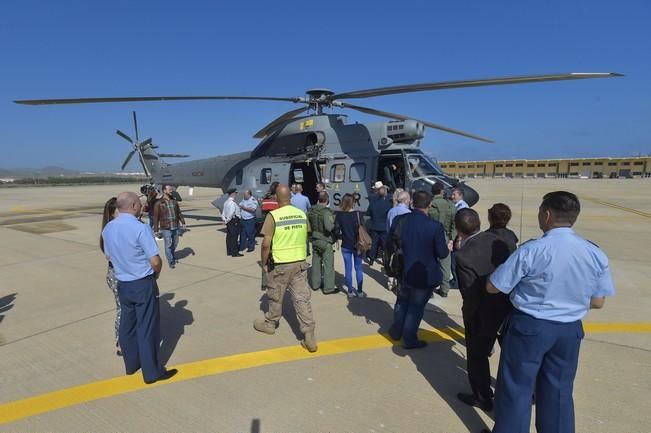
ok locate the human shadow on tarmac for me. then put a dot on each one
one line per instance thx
(185, 252)
(441, 363)
(173, 320)
(289, 313)
(379, 276)
(202, 217)
(6, 304)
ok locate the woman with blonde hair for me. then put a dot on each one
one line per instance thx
(110, 213)
(396, 193)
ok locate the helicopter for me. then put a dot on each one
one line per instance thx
(307, 145)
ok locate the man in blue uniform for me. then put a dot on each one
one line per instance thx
(247, 222)
(130, 246)
(552, 282)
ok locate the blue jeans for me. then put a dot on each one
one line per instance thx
(408, 312)
(349, 256)
(150, 214)
(171, 242)
(247, 234)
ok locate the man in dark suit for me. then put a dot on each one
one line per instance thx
(378, 208)
(423, 243)
(483, 313)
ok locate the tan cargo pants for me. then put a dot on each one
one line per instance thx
(292, 276)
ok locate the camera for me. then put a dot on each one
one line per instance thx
(147, 189)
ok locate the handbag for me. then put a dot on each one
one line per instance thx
(364, 241)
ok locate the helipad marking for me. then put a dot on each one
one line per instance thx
(42, 403)
(616, 206)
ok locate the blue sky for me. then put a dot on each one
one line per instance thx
(137, 48)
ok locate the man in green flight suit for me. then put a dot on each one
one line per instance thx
(322, 222)
(442, 210)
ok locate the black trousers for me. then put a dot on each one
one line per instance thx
(232, 233)
(479, 344)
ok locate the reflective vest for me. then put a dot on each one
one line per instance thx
(289, 243)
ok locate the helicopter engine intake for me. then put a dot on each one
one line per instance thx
(401, 131)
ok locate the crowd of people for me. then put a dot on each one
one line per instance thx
(529, 298)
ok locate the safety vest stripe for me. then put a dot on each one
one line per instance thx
(291, 222)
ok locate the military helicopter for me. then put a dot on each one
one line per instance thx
(320, 147)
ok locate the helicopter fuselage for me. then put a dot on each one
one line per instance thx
(347, 158)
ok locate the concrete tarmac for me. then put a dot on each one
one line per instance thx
(59, 371)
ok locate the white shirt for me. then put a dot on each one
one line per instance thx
(231, 209)
(461, 204)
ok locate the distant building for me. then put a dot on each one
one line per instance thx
(579, 168)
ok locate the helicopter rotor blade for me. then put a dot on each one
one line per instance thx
(135, 126)
(150, 99)
(172, 155)
(424, 122)
(278, 120)
(123, 135)
(380, 91)
(126, 161)
(142, 162)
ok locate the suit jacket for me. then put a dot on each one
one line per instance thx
(423, 244)
(507, 236)
(475, 261)
(378, 209)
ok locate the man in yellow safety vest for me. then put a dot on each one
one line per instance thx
(284, 250)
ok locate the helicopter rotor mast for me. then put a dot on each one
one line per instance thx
(318, 99)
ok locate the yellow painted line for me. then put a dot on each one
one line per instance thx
(19, 409)
(619, 207)
(623, 328)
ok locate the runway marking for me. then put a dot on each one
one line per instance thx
(616, 206)
(42, 403)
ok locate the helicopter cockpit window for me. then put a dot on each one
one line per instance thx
(298, 175)
(238, 177)
(338, 173)
(265, 176)
(420, 165)
(357, 172)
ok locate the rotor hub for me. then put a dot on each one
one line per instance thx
(319, 94)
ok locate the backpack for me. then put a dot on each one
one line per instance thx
(364, 241)
(393, 254)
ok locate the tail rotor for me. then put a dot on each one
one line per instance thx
(138, 147)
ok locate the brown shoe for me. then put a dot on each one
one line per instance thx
(309, 342)
(264, 326)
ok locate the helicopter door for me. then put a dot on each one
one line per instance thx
(307, 174)
(391, 170)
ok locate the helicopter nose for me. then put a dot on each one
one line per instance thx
(470, 196)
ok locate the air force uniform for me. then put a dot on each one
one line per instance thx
(130, 245)
(550, 282)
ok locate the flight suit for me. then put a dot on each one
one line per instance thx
(322, 222)
(442, 210)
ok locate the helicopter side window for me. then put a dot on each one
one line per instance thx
(265, 176)
(338, 173)
(239, 175)
(357, 172)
